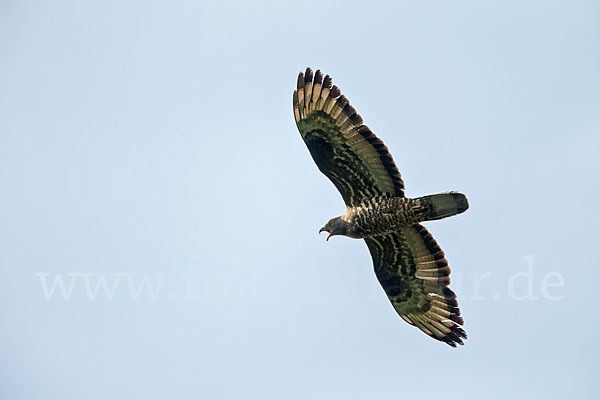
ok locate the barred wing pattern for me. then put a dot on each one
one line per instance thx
(415, 275)
(344, 149)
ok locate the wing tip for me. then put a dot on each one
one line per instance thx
(327, 82)
(335, 92)
(308, 75)
(318, 77)
(300, 83)
(456, 336)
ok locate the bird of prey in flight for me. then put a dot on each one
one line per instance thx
(409, 264)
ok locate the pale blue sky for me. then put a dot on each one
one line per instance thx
(155, 140)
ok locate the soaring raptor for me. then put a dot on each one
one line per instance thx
(408, 262)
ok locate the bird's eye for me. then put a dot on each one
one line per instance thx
(331, 223)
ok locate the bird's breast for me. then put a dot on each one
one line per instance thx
(381, 216)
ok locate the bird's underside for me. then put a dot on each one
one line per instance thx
(408, 262)
(383, 215)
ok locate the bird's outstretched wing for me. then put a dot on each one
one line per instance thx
(415, 275)
(345, 150)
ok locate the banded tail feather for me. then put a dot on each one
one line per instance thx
(444, 205)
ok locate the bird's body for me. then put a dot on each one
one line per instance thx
(408, 262)
(384, 215)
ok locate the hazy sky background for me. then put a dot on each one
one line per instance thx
(153, 143)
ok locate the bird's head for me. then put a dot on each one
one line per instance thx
(335, 226)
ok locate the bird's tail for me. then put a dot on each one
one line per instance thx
(444, 205)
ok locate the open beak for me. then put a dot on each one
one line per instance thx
(326, 230)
